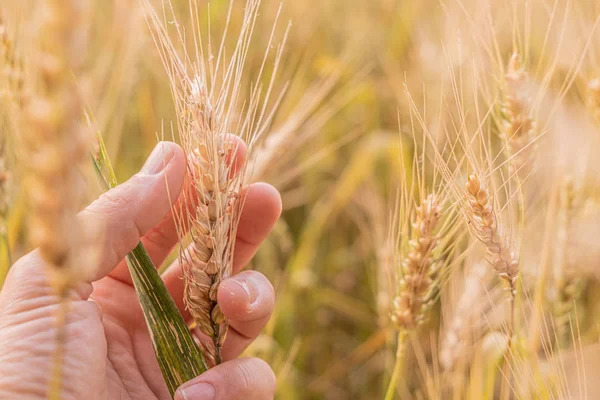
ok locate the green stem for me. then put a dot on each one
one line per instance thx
(391, 390)
(179, 358)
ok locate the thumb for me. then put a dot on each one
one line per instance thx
(128, 211)
(242, 378)
(123, 214)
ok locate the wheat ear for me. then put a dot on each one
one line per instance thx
(519, 129)
(210, 254)
(418, 268)
(504, 261)
(485, 226)
(417, 284)
(55, 144)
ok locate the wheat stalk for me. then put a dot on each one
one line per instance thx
(54, 145)
(568, 281)
(519, 129)
(5, 176)
(417, 285)
(484, 225)
(6, 47)
(10, 89)
(5, 180)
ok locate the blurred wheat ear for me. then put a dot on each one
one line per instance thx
(178, 356)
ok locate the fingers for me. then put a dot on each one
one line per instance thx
(133, 208)
(245, 378)
(262, 207)
(247, 300)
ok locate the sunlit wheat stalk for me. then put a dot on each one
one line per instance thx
(485, 227)
(54, 145)
(5, 180)
(568, 282)
(6, 50)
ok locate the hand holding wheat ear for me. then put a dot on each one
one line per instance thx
(109, 351)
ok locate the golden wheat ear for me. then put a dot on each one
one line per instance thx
(519, 127)
(54, 147)
(214, 118)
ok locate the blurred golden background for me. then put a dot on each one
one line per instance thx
(368, 85)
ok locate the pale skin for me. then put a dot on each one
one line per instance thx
(108, 351)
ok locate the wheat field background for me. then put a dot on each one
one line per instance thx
(438, 166)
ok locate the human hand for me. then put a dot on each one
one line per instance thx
(108, 353)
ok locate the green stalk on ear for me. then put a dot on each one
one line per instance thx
(179, 358)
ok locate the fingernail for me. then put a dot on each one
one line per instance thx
(200, 391)
(158, 159)
(248, 288)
